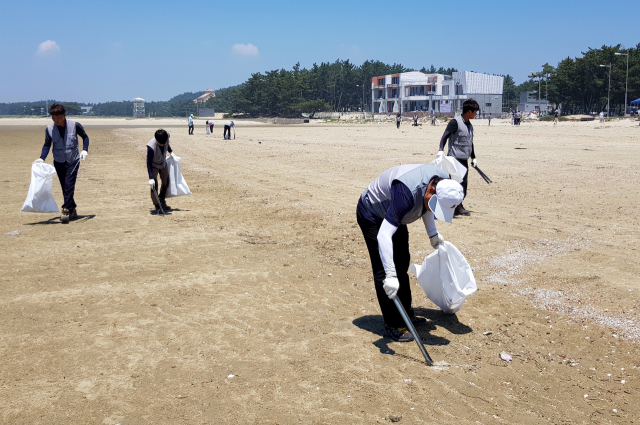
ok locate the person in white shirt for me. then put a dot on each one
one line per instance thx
(227, 129)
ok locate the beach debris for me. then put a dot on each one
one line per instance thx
(574, 364)
(230, 376)
(395, 418)
(506, 357)
(623, 381)
(586, 396)
(487, 333)
(14, 233)
(407, 380)
(615, 410)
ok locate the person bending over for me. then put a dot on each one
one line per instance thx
(397, 197)
(157, 149)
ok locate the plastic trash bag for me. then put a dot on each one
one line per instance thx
(40, 199)
(446, 277)
(208, 132)
(451, 166)
(177, 184)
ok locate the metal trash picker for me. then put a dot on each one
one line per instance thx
(406, 319)
(483, 175)
(158, 199)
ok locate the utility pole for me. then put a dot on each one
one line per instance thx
(626, 88)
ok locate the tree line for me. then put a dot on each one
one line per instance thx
(337, 86)
(581, 84)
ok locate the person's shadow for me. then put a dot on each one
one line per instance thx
(56, 220)
(435, 318)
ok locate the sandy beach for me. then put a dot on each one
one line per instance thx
(253, 301)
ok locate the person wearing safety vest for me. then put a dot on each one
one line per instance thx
(459, 133)
(63, 135)
(397, 197)
(157, 149)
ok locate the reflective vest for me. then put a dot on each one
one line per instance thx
(377, 197)
(159, 153)
(64, 150)
(461, 143)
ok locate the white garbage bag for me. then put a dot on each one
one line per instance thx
(40, 199)
(177, 184)
(208, 132)
(451, 166)
(446, 277)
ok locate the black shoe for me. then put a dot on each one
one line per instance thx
(397, 334)
(64, 216)
(418, 320)
(157, 210)
(461, 211)
(73, 214)
(166, 207)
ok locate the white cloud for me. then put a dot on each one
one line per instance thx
(47, 48)
(245, 49)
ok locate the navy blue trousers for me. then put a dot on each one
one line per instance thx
(401, 258)
(67, 174)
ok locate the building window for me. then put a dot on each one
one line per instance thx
(445, 90)
(381, 81)
(395, 80)
(459, 89)
(487, 104)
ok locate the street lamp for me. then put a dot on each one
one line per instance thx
(362, 85)
(533, 74)
(627, 83)
(609, 92)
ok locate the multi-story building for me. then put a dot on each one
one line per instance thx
(529, 103)
(408, 92)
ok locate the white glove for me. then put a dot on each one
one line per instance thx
(436, 240)
(440, 155)
(391, 286)
(474, 162)
(152, 183)
(38, 161)
(83, 155)
(173, 154)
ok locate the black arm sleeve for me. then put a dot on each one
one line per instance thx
(85, 139)
(150, 162)
(452, 127)
(47, 145)
(169, 148)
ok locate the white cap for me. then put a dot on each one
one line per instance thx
(449, 194)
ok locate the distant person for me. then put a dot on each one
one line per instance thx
(191, 124)
(211, 126)
(415, 119)
(63, 135)
(227, 129)
(601, 117)
(489, 119)
(157, 149)
(398, 119)
(555, 117)
(459, 134)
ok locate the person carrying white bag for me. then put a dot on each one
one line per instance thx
(397, 197)
(40, 199)
(157, 149)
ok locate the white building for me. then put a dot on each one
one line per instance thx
(532, 104)
(409, 92)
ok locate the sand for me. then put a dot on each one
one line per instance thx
(253, 301)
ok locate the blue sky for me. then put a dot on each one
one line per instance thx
(99, 51)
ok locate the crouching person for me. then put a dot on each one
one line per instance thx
(157, 149)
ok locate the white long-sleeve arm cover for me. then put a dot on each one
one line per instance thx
(430, 223)
(385, 247)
